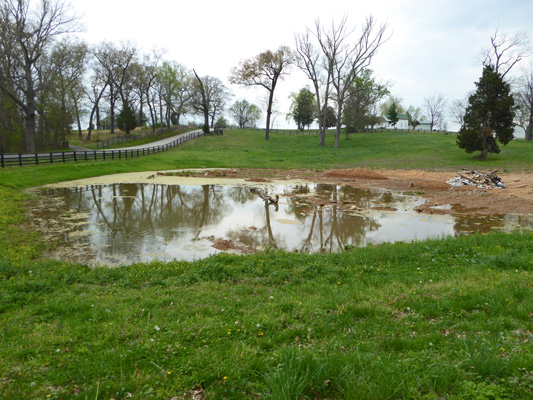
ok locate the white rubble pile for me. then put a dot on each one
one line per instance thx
(478, 179)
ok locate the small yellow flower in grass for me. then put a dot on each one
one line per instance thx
(225, 377)
(338, 283)
(502, 349)
(169, 372)
(260, 334)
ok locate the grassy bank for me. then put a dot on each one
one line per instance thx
(437, 319)
(248, 149)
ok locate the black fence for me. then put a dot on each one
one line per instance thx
(21, 159)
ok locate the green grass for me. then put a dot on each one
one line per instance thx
(447, 318)
(248, 149)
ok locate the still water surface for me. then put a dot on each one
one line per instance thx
(126, 223)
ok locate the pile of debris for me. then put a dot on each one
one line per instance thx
(482, 180)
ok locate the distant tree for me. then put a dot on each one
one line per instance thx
(201, 100)
(221, 123)
(365, 93)
(506, 51)
(26, 34)
(264, 70)
(239, 112)
(489, 116)
(458, 110)
(524, 100)
(126, 119)
(386, 105)
(434, 107)
(331, 118)
(254, 115)
(303, 108)
(392, 114)
(414, 116)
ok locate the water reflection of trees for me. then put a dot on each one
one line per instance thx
(132, 218)
(324, 228)
(129, 214)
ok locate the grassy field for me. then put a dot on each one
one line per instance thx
(437, 319)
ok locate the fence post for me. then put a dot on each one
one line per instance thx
(36, 159)
(51, 158)
(75, 157)
(85, 156)
(63, 157)
(2, 158)
(20, 159)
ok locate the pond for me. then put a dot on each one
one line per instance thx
(124, 223)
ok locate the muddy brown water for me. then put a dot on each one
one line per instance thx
(125, 223)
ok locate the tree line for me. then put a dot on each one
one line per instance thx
(51, 81)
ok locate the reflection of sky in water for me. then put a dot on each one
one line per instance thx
(126, 223)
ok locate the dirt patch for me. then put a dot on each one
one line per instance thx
(359, 173)
(225, 245)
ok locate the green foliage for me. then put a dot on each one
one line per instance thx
(489, 116)
(303, 108)
(126, 120)
(414, 116)
(361, 105)
(221, 123)
(331, 118)
(392, 114)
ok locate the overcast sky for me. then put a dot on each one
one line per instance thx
(434, 47)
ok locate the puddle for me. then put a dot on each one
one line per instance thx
(125, 223)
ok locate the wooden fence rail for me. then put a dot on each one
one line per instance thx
(21, 159)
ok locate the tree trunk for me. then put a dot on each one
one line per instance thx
(29, 111)
(529, 130)
(269, 112)
(151, 113)
(141, 110)
(112, 111)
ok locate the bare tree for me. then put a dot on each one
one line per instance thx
(458, 111)
(434, 107)
(524, 100)
(114, 66)
(264, 70)
(312, 63)
(506, 51)
(68, 60)
(351, 57)
(341, 56)
(25, 35)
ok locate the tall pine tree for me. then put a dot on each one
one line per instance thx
(489, 115)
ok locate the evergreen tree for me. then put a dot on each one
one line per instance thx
(126, 119)
(392, 114)
(489, 115)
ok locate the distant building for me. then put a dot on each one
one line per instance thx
(403, 124)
